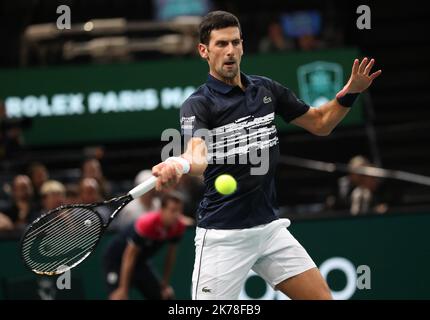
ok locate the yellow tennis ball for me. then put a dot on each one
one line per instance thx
(225, 184)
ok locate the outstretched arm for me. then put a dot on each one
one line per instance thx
(169, 172)
(128, 263)
(322, 120)
(166, 290)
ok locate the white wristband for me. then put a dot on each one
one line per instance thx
(186, 166)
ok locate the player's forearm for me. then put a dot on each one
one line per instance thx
(335, 110)
(127, 267)
(197, 165)
(196, 154)
(331, 113)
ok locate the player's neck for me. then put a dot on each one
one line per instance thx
(236, 81)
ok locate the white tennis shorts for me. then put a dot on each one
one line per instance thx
(225, 257)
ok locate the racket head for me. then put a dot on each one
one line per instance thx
(61, 239)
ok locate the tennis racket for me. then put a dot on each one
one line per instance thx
(64, 237)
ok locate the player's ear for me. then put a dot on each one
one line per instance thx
(203, 51)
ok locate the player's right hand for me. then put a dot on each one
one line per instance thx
(168, 174)
(119, 294)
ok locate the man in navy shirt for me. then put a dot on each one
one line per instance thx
(227, 124)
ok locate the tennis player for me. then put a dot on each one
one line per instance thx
(242, 231)
(126, 260)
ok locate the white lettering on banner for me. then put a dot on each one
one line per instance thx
(13, 107)
(32, 106)
(110, 102)
(59, 104)
(77, 103)
(44, 108)
(346, 266)
(335, 263)
(147, 100)
(126, 100)
(171, 97)
(269, 293)
(97, 102)
(174, 97)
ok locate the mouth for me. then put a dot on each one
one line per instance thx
(229, 65)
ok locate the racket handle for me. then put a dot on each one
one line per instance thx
(143, 188)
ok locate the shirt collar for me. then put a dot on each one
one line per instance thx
(223, 87)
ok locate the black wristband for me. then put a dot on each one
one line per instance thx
(348, 99)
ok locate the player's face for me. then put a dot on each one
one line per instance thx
(224, 52)
(171, 212)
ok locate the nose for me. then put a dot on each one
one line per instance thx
(230, 50)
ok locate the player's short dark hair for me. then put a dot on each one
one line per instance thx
(216, 20)
(174, 196)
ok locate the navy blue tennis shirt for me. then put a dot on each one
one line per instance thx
(238, 128)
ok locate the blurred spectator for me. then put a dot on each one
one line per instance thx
(275, 40)
(89, 191)
(5, 223)
(96, 152)
(72, 194)
(11, 140)
(22, 208)
(309, 42)
(304, 26)
(39, 175)
(91, 168)
(53, 195)
(359, 194)
(146, 203)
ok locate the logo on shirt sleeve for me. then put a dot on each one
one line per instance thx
(187, 123)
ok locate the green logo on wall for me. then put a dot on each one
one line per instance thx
(319, 82)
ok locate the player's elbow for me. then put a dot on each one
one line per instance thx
(322, 132)
(319, 126)
(320, 129)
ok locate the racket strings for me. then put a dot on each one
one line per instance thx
(54, 251)
(61, 239)
(53, 222)
(46, 222)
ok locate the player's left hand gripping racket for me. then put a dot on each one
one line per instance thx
(64, 237)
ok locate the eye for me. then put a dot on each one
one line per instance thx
(222, 43)
(236, 42)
